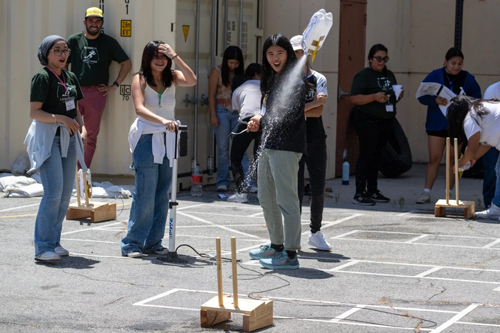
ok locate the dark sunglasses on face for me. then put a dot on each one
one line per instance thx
(380, 59)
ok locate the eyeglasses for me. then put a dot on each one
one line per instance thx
(380, 59)
(58, 52)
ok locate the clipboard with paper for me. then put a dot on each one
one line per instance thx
(436, 89)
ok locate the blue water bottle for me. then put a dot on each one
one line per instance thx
(345, 172)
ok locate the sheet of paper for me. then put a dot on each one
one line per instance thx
(397, 90)
(428, 88)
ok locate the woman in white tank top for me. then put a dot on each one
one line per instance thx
(153, 91)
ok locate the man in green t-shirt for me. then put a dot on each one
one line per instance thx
(91, 55)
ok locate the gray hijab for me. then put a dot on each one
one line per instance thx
(44, 48)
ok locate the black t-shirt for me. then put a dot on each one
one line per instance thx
(284, 125)
(454, 82)
(46, 88)
(90, 58)
(368, 82)
(315, 130)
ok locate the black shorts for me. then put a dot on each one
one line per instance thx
(440, 134)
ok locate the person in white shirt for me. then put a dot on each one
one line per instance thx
(246, 100)
(491, 157)
(478, 121)
(153, 91)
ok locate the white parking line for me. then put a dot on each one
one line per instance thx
(490, 245)
(220, 226)
(338, 268)
(101, 227)
(347, 313)
(416, 238)
(455, 318)
(346, 234)
(430, 271)
(14, 208)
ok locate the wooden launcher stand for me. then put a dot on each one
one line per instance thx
(97, 211)
(441, 205)
(256, 314)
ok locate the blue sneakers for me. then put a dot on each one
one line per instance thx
(265, 251)
(280, 261)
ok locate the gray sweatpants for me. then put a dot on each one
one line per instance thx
(277, 180)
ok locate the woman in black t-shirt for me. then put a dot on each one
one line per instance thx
(53, 106)
(372, 93)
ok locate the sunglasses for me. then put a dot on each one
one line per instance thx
(380, 59)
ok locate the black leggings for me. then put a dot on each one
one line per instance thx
(316, 166)
(373, 133)
(238, 149)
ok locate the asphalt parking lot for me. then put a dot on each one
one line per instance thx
(393, 268)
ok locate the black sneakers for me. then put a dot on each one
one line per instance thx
(379, 197)
(363, 199)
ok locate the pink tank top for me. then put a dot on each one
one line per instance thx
(223, 96)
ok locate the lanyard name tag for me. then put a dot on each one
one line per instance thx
(389, 108)
(70, 104)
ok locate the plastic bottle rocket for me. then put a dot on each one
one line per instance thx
(345, 172)
(196, 182)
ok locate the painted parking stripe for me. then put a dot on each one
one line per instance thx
(348, 313)
(455, 318)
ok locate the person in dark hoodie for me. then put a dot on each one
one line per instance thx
(457, 80)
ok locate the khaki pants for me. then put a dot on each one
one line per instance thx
(277, 179)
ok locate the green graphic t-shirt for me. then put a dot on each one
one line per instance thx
(46, 88)
(368, 82)
(90, 58)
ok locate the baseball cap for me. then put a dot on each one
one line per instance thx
(296, 42)
(93, 12)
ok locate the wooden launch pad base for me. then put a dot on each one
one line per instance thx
(96, 211)
(469, 207)
(256, 314)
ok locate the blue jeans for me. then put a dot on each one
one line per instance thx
(490, 178)
(148, 214)
(496, 199)
(58, 177)
(227, 123)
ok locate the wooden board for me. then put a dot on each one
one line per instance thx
(469, 207)
(256, 314)
(95, 211)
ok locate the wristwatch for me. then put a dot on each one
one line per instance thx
(116, 84)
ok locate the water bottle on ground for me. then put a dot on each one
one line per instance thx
(345, 172)
(197, 182)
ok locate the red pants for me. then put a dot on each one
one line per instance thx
(91, 107)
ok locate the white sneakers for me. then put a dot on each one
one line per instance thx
(425, 197)
(493, 212)
(48, 256)
(222, 188)
(53, 256)
(135, 254)
(317, 240)
(238, 197)
(61, 251)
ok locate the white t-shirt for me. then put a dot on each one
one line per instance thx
(320, 83)
(488, 125)
(492, 91)
(246, 98)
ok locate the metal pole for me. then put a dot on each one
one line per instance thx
(196, 70)
(226, 18)
(459, 15)
(241, 24)
(210, 158)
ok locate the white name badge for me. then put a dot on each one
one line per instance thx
(70, 104)
(389, 108)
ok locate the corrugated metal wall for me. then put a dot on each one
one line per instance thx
(24, 23)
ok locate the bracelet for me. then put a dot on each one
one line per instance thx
(116, 83)
(174, 56)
